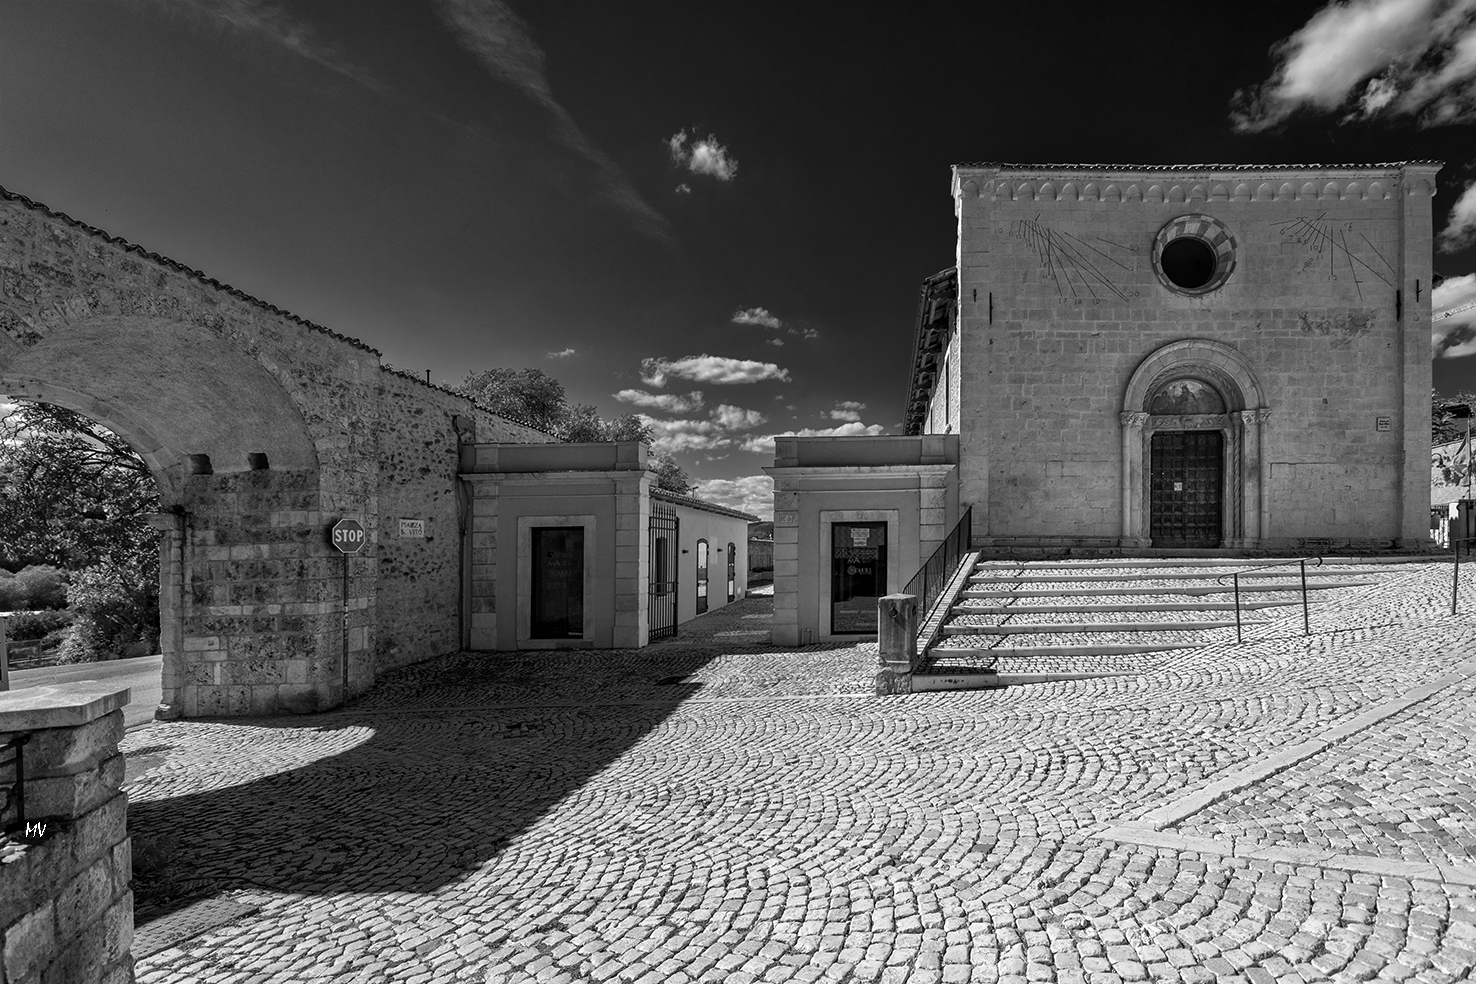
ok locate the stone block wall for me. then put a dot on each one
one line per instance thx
(420, 587)
(66, 902)
(1328, 302)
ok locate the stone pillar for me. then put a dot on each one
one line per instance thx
(1133, 423)
(632, 560)
(1252, 444)
(896, 636)
(1416, 236)
(171, 611)
(66, 905)
(483, 588)
(785, 626)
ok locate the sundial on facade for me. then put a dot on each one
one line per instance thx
(1337, 250)
(1081, 268)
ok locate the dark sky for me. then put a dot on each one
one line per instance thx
(465, 185)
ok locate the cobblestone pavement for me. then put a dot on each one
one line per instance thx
(716, 809)
(1405, 790)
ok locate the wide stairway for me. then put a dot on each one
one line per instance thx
(1030, 622)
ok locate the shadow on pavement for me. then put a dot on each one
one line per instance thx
(425, 799)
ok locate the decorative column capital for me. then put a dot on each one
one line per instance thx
(1260, 415)
(1133, 418)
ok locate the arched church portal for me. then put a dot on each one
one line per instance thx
(1192, 469)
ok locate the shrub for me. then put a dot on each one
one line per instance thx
(37, 625)
(112, 612)
(42, 587)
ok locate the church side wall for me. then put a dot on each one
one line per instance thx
(1077, 306)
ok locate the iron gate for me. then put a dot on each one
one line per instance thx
(662, 547)
(1187, 477)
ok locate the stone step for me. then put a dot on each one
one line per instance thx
(987, 680)
(1173, 590)
(1005, 652)
(1058, 628)
(1104, 562)
(1162, 606)
(1087, 578)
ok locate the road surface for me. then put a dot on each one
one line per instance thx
(142, 675)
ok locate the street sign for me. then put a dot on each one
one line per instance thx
(348, 536)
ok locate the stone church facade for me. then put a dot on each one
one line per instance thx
(1214, 356)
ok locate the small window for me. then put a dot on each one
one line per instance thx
(732, 572)
(701, 576)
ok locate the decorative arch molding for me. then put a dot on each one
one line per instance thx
(1230, 374)
(164, 463)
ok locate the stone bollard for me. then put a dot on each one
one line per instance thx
(66, 901)
(896, 636)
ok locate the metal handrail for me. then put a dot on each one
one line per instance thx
(19, 786)
(1455, 580)
(1306, 614)
(937, 571)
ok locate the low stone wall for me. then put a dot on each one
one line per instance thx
(66, 901)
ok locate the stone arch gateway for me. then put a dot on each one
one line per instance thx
(261, 430)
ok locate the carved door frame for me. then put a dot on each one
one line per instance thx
(1245, 520)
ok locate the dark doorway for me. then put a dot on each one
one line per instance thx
(1186, 488)
(558, 582)
(662, 544)
(858, 576)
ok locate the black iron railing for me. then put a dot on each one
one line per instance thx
(928, 584)
(1306, 613)
(16, 791)
(1455, 580)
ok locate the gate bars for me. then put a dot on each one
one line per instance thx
(661, 542)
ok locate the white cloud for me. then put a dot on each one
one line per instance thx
(753, 494)
(705, 156)
(764, 444)
(561, 355)
(670, 402)
(1408, 57)
(684, 189)
(709, 369)
(674, 436)
(774, 341)
(1460, 225)
(729, 417)
(499, 39)
(756, 316)
(847, 410)
(1454, 335)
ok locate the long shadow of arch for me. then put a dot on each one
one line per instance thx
(420, 797)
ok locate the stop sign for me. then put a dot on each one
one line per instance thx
(348, 536)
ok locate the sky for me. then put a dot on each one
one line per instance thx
(718, 215)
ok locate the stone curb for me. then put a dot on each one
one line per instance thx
(1148, 830)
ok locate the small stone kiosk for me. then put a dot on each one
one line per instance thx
(570, 547)
(854, 518)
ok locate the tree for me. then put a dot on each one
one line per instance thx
(532, 396)
(74, 495)
(528, 395)
(1445, 426)
(670, 476)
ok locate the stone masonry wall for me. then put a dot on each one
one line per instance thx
(420, 586)
(66, 901)
(1065, 259)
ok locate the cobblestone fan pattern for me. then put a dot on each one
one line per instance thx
(940, 837)
(1406, 790)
